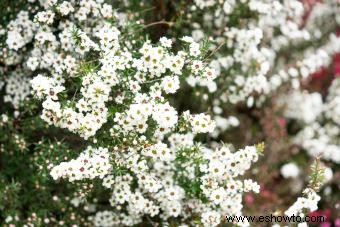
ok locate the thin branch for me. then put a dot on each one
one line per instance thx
(169, 23)
(214, 51)
(146, 10)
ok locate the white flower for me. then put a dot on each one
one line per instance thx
(227, 7)
(309, 202)
(250, 185)
(216, 168)
(45, 17)
(218, 195)
(187, 39)
(211, 218)
(194, 49)
(328, 174)
(202, 123)
(90, 164)
(290, 170)
(65, 8)
(160, 151)
(170, 84)
(165, 42)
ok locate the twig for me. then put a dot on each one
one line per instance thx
(151, 81)
(74, 95)
(214, 51)
(146, 10)
(169, 23)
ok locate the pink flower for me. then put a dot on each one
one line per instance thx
(249, 199)
(326, 224)
(265, 193)
(337, 222)
(336, 65)
(282, 122)
(322, 73)
(325, 213)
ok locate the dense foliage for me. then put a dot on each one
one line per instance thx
(168, 113)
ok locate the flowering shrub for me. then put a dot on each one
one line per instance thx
(132, 113)
(321, 130)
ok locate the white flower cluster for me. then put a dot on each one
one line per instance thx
(138, 114)
(290, 170)
(223, 124)
(201, 123)
(17, 88)
(320, 140)
(252, 66)
(100, 77)
(205, 3)
(303, 106)
(159, 190)
(45, 17)
(90, 112)
(320, 134)
(244, 43)
(88, 74)
(319, 12)
(91, 163)
(105, 219)
(178, 140)
(332, 104)
(311, 63)
(308, 202)
(20, 31)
